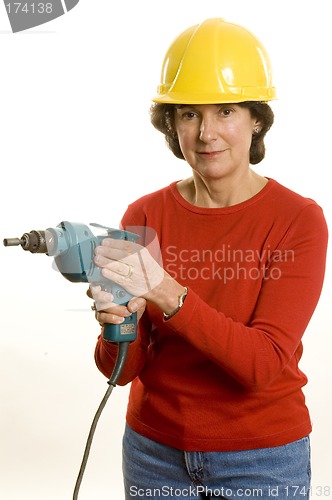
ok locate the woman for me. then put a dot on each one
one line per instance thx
(216, 407)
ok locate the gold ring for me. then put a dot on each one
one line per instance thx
(130, 271)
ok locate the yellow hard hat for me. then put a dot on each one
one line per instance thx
(215, 62)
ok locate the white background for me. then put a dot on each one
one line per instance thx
(77, 145)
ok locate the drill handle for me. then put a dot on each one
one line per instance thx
(126, 331)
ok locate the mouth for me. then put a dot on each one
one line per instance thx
(211, 154)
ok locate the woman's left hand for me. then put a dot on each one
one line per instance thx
(130, 265)
(107, 311)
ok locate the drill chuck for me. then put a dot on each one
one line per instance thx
(34, 242)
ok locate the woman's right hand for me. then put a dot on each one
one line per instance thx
(106, 311)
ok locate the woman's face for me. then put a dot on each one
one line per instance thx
(215, 139)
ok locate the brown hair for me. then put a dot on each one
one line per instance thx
(162, 118)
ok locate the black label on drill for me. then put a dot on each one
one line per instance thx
(127, 329)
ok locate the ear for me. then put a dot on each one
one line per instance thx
(257, 127)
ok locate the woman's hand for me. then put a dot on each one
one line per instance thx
(133, 268)
(106, 311)
(130, 265)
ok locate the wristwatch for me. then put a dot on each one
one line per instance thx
(181, 300)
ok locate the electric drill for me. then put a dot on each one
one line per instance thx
(72, 246)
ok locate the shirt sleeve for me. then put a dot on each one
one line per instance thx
(256, 353)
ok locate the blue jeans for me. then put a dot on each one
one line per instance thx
(153, 470)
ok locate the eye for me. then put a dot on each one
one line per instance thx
(225, 111)
(189, 115)
(186, 113)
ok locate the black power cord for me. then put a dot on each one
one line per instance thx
(119, 365)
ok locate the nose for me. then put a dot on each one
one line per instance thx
(207, 130)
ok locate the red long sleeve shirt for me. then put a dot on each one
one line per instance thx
(222, 373)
